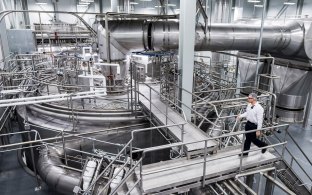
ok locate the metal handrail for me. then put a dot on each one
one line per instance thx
(193, 94)
(139, 162)
(226, 89)
(129, 143)
(221, 157)
(106, 168)
(182, 129)
(199, 114)
(205, 154)
(114, 176)
(208, 139)
(184, 116)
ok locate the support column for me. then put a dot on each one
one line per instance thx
(55, 7)
(114, 5)
(186, 52)
(4, 45)
(97, 6)
(307, 121)
(249, 182)
(269, 185)
(299, 7)
(26, 15)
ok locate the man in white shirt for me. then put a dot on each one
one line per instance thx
(254, 116)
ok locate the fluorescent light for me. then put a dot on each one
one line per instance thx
(145, 0)
(289, 3)
(134, 3)
(150, 8)
(88, 1)
(82, 5)
(171, 5)
(41, 3)
(254, 1)
(158, 6)
(258, 5)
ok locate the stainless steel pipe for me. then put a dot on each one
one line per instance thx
(285, 40)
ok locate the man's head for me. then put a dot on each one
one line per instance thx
(252, 98)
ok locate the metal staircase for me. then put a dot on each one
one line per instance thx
(290, 170)
(290, 179)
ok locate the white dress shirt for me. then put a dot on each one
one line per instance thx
(254, 114)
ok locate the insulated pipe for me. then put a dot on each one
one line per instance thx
(291, 40)
(60, 179)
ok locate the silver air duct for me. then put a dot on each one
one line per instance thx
(291, 40)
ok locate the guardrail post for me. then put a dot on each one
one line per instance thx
(166, 112)
(131, 86)
(141, 167)
(242, 152)
(204, 166)
(64, 148)
(48, 90)
(128, 101)
(150, 94)
(284, 147)
(130, 145)
(260, 183)
(135, 90)
(182, 139)
(32, 155)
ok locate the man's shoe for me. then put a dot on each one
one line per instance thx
(264, 150)
(244, 155)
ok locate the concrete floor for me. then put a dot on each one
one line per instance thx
(15, 180)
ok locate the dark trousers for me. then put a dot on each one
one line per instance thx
(252, 137)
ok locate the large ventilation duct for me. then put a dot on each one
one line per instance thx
(291, 40)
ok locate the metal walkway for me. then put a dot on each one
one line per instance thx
(169, 176)
(158, 110)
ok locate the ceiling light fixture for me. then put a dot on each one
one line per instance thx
(171, 5)
(258, 5)
(83, 3)
(289, 3)
(254, 1)
(134, 3)
(41, 3)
